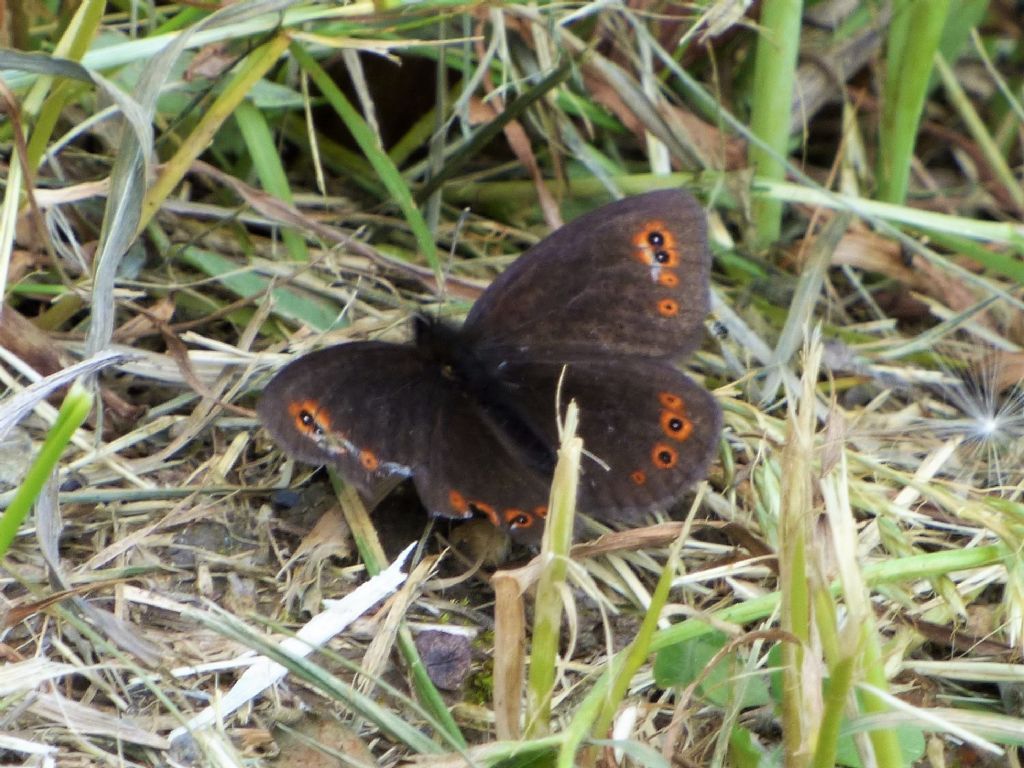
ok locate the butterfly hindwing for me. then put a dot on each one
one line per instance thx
(477, 468)
(649, 431)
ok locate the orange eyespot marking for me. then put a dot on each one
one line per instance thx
(664, 456)
(655, 245)
(516, 518)
(675, 425)
(638, 476)
(458, 503)
(672, 402)
(668, 307)
(666, 257)
(487, 509)
(308, 417)
(652, 235)
(369, 460)
(668, 278)
(540, 512)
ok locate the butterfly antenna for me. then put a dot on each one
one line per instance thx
(443, 287)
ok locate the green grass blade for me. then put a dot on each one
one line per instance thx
(73, 410)
(639, 649)
(774, 76)
(266, 159)
(367, 141)
(914, 36)
(547, 619)
(250, 72)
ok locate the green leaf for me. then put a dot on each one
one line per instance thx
(288, 303)
(682, 664)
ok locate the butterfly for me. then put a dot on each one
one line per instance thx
(606, 303)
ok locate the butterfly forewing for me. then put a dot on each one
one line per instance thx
(358, 407)
(628, 278)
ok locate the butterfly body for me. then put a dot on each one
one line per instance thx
(605, 304)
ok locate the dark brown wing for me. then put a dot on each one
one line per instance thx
(649, 431)
(374, 411)
(364, 408)
(477, 466)
(628, 278)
